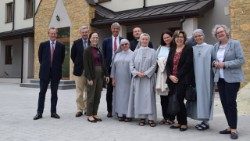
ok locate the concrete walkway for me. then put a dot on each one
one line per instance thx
(18, 106)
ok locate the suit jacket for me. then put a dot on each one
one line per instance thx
(134, 42)
(233, 59)
(108, 52)
(47, 70)
(89, 67)
(77, 57)
(185, 69)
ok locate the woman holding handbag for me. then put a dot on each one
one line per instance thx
(180, 74)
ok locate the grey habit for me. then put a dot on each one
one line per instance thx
(122, 75)
(202, 109)
(142, 103)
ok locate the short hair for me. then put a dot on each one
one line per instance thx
(177, 33)
(52, 28)
(137, 27)
(166, 32)
(115, 24)
(83, 27)
(226, 29)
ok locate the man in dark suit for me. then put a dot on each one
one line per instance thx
(137, 31)
(51, 56)
(110, 47)
(80, 80)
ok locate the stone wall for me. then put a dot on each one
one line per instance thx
(240, 29)
(80, 13)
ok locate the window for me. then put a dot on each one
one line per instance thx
(9, 12)
(29, 9)
(8, 55)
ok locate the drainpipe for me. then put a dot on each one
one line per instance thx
(13, 23)
(144, 3)
(182, 20)
(22, 59)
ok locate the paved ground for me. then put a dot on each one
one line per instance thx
(18, 106)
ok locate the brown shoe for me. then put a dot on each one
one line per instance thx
(78, 114)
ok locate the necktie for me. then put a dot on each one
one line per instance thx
(52, 49)
(115, 45)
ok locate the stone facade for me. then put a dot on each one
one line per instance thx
(240, 29)
(80, 13)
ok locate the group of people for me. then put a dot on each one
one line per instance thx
(135, 73)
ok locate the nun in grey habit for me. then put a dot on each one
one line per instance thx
(142, 103)
(202, 108)
(121, 80)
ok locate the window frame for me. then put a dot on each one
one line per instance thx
(26, 6)
(8, 55)
(9, 17)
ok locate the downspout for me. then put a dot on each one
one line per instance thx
(13, 23)
(22, 60)
(182, 20)
(144, 3)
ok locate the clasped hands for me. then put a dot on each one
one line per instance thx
(140, 74)
(218, 65)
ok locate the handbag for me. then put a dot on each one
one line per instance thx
(190, 94)
(173, 104)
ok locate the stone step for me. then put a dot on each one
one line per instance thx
(64, 84)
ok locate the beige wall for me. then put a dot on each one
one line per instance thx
(240, 28)
(80, 13)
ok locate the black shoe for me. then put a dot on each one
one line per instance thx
(226, 131)
(234, 135)
(55, 115)
(109, 115)
(175, 126)
(183, 128)
(78, 114)
(38, 116)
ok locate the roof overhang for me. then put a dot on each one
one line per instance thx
(166, 12)
(26, 32)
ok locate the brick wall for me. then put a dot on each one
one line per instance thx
(80, 13)
(240, 29)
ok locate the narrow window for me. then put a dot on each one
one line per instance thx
(9, 12)
(29, 9)
(8, 55)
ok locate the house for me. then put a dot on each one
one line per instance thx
(17, 40)
(153, 16)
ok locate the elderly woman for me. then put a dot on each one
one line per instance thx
(161, 86)
(180, 74)
(228, 59)
(142, 103)
(121, 79)
(94, 71)
(201, 109)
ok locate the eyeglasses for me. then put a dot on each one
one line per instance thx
(220, 32)
(198, 36)
(124, 44)
(179, 37)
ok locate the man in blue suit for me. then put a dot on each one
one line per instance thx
(110, 47)
(51, 56)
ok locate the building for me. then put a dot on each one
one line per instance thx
(17, 40)
(154, 16)
(240, 29)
